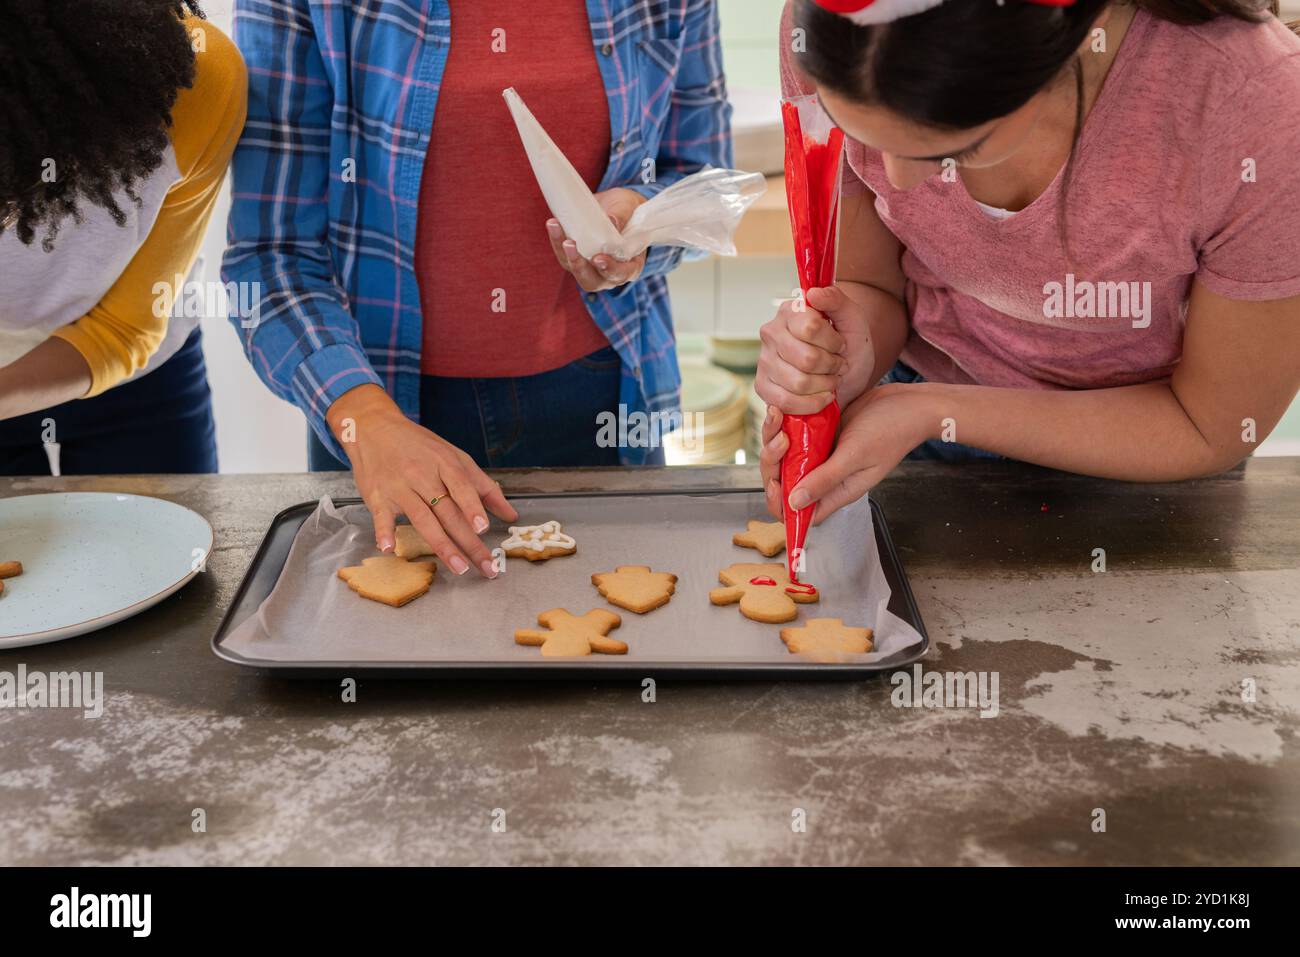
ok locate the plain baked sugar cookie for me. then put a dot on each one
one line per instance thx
(573, 636)
(767, 537)
(389, 579)
(635, 587)
(827, 639)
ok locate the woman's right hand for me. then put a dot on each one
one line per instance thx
(814, 350)
(400, 467)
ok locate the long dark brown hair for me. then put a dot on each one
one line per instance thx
(966, 62)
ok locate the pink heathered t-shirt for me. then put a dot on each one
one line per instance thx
(1187, 167)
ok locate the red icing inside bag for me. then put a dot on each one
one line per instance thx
(812, 186)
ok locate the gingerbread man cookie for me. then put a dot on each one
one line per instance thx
(389, 579)
(571, 636)
(767, 537)
(409, 543)
(827, 639)
(765, 592)
(635, 587)
(537, 543)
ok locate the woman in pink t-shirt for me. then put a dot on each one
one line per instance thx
(1070, 235)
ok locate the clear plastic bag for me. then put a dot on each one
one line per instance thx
(700, 211)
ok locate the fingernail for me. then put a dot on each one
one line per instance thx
(480, 524)
(799, 499)
(489, 567)
(553, 227)
(570, 250)
(458, 565)
(385, 544)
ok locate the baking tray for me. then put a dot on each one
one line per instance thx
(265, 570)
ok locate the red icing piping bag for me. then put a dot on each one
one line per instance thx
(814, 149)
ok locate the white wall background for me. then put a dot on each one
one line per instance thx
(256, 432)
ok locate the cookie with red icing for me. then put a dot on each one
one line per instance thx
(764, 592)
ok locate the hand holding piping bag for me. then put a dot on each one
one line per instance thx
(814, 150)
(601, 271)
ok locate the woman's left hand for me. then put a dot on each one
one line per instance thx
(876, 432)
(601, 271)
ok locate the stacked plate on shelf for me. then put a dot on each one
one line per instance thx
(737, 354)
(755, 413)
(713, 427)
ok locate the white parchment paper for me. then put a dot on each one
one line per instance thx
(312, 617)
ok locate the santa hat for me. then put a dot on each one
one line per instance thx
(885, 11)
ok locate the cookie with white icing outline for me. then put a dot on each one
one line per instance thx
(574, 636)
(764, 591)
(635, 587)
(537, 543)
(767, 538)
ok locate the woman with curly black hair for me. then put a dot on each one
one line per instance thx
(119, 120)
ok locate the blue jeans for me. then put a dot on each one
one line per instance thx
(159, 423)
(538, 421)
(936, 450)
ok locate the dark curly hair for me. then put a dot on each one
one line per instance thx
(89, 85)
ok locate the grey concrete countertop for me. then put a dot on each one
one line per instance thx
(1119, 693)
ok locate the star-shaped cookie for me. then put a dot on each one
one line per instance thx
(765, 592)
(571, 636)
(635, 587)
(389, 579)
(827, 639)
(409, 543)
(767, 537)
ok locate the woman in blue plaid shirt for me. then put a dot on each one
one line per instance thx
(414, 298)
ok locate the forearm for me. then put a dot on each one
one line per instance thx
(49, 375)
(1136, 433)
(886, 320)
(350, 411)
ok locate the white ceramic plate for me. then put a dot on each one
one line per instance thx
(91, 559)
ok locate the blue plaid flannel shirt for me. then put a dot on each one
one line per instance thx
(336, 80)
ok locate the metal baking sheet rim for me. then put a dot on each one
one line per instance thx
(589, 667)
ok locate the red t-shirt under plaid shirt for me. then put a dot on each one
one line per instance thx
(495, 300)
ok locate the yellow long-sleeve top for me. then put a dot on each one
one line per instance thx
(107, 289)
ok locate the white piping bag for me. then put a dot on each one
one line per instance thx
(700, 211)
